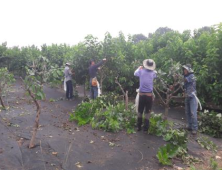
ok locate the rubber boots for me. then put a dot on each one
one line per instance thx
(139, 123)
(146, 125)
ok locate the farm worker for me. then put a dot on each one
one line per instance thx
(146, 74)
(191, 100)
(93, 68)
(68, 81)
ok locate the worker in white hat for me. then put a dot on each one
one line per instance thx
(146, 74)
(68, 81)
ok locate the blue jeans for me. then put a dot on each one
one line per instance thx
(69, 89)
(93, 90)
(191, 106)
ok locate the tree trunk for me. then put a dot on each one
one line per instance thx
(167, 106)
(2, 103)
(36, 125)
(84, 89)
(126, 100)
(166, 112)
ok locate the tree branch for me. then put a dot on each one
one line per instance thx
(159, 96)
(162, 91)
(116, 81)
(176, 97)
(125, 93)
(2, 103)
(180, 87)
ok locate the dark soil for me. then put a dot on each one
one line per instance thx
(61, 144)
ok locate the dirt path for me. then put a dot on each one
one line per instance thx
(61, 144)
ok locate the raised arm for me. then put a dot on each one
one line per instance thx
(100, 63)
(137, 72)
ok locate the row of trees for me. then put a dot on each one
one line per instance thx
(202, 49)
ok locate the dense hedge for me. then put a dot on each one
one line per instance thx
(202, 49)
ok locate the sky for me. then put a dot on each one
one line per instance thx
(38, 22)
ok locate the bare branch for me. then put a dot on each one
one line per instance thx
(2, 103)
(162, 91)
(176, 97)
(159, 96)
(180, 87)
(125, 93)
(117, 82)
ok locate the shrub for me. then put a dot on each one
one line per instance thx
(158, 125)
(211, 123)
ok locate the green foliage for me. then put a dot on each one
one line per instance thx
(206, 143)
(39, 73)
(114, 118)
(166, 153)
(107, 120)
(71, 117)
(158, 126)
(83, 113)
(192, 168)
(110, 98)
(56, 76)
(211, 123)
(105, 113)
(35, 87)
(213, 164)
(203, 51)
(58, 55)
(36, 75)
(139, 37)
(6, 80)
(176, 137)
(51, 100)
(189, 159)
(84, 53)
(176, 147)
(86, 110)
(169, 83)
(170, 74)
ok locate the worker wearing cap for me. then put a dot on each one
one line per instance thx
(191, 100)
(68, 79)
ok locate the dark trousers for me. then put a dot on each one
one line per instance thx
(69, 89)
(145, 106)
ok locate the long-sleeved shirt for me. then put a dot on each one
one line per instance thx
(93, 69)
(146, 79)
(190, 85)
(67, 73)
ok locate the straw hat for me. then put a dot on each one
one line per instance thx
(149, 64)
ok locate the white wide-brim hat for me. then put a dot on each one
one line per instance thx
(68, 64)
(188, 68)
(149, 64)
